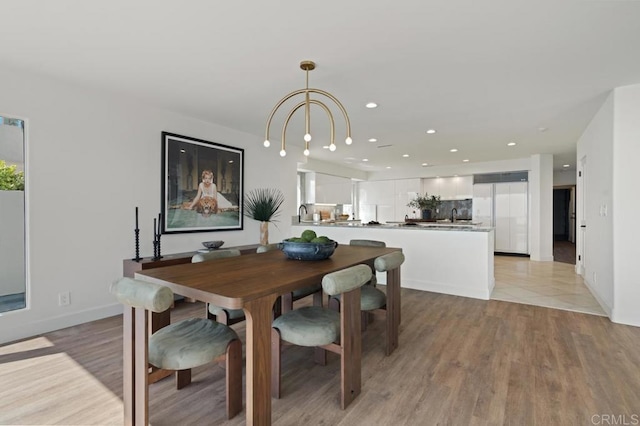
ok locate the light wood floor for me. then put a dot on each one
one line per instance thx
(549, 284)
(461, 362)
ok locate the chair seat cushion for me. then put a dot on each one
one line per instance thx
(189, 343)
(232, 313)
(370, 298)
(309, 326)
(306, 291)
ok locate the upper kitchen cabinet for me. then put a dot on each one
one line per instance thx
(386, 200)
(332, 189)
(449, 188)
(405, 190)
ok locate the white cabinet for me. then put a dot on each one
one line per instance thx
(511, 217)
(449, 188)
(405, 190)
(386, 200)
(332, 189)
(504, 207)
(464, 187)
(482, 209)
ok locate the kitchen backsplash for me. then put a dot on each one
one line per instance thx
(464, 208)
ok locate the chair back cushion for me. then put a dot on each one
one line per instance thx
(214, 254)
(389, 261)
(346, 280)
(369, 243)
(141, 294)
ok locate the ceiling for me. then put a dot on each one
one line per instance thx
(481, 73)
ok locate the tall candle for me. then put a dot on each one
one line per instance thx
(136, 218)
(155, 227)
(159, 222)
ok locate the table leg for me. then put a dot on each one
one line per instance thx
(128, 344)
(393, 309)
(351, 342)
(258, 352)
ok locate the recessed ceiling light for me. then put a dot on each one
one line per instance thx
(405, 155)
(566, 165)
(431, 131)
(388, 167)
(365, 159)
(373, 140)
(453, 150)
(325, 147)
(455, 175)
(424, 164)
(371, 105)
(511, 144)
(466, 160)
(230, 161)
(542, 129)
(182, 151)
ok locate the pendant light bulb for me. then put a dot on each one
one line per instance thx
(307, 137)
(283, 153)
(348, 140)
(266, 143)
(332, 147)
(306, 152)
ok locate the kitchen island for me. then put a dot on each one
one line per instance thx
(443, 258)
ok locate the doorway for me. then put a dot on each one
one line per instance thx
(564, 224)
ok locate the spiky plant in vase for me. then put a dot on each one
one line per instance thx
(263, 204)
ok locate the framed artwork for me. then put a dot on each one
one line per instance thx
(202, 185)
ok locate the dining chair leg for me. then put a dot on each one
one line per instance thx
(286, 303)
(276, 363)
(234, 378)
(317, 298)
(320, 356)
(183, 378)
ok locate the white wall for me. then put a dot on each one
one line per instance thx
(541, 207)
(595, 145)
(93, 157)
(625, 205)
(564, 178)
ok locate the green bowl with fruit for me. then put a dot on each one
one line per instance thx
(308, 246)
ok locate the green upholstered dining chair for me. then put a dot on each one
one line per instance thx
(372, 298)
(217, 313)
(325, 329)
(286, 300)
(183, 345)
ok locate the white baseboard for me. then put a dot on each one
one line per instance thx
(434, 287)
(34, 328)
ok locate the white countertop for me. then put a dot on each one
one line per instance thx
(420, 226)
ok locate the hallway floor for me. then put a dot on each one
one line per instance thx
(547, 284)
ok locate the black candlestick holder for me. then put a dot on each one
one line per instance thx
(156, 248)
(137, 238)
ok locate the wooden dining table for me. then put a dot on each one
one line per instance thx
(253, 282)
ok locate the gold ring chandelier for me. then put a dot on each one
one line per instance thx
(308, 66)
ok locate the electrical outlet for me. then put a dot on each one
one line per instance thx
(64, 298)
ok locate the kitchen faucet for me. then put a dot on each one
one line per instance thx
(453, 218)
(302, 206)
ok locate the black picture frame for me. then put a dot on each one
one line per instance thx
(188, 203)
